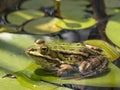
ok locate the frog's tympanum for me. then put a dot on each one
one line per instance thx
(69, 59)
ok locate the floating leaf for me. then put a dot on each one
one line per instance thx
(71, 9)
(75, 12)
(107, 48)
(10, 84)
(13, 59)
(12, 52)
(8, 28)
(100, 80)
(43, 25)
(37, 4)
(21, 16)
(112, 29)
(76, 25)
(109, 79)
(36, 85)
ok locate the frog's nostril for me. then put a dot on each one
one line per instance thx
(31, 49)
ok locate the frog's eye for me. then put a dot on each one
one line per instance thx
(44, 49)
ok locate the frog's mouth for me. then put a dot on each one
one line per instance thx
(33, 52)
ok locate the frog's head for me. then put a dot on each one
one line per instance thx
(39, 48)
(41, 52)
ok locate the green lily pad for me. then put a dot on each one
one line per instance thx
(37, 4)
(101, 80)
(13, 52)
(9, 28)
(73, 10)
(110, 79)
(21, 16)
(112, 29)
(74, 3)
(43, 25)
(13, 59)
(108, 50)
(76, 25)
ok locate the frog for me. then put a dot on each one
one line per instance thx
(69, 60)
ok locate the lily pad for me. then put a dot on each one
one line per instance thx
(113, 26)
(73, 10)
(13, 59)
(43, 25)
(21, 16)
(110, 79)
(9, 28)
(101, 80)
(76, 25)
(108, 50)
(74, 3)
(37, 4)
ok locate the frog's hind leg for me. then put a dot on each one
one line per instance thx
(98, 70)
(90, 73)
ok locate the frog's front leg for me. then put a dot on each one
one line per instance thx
(67, 71)
(64, 69)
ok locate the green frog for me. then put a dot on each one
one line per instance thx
(66, 59)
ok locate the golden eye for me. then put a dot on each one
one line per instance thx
(44, 49)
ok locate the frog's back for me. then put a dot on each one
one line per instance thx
(65, 46)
